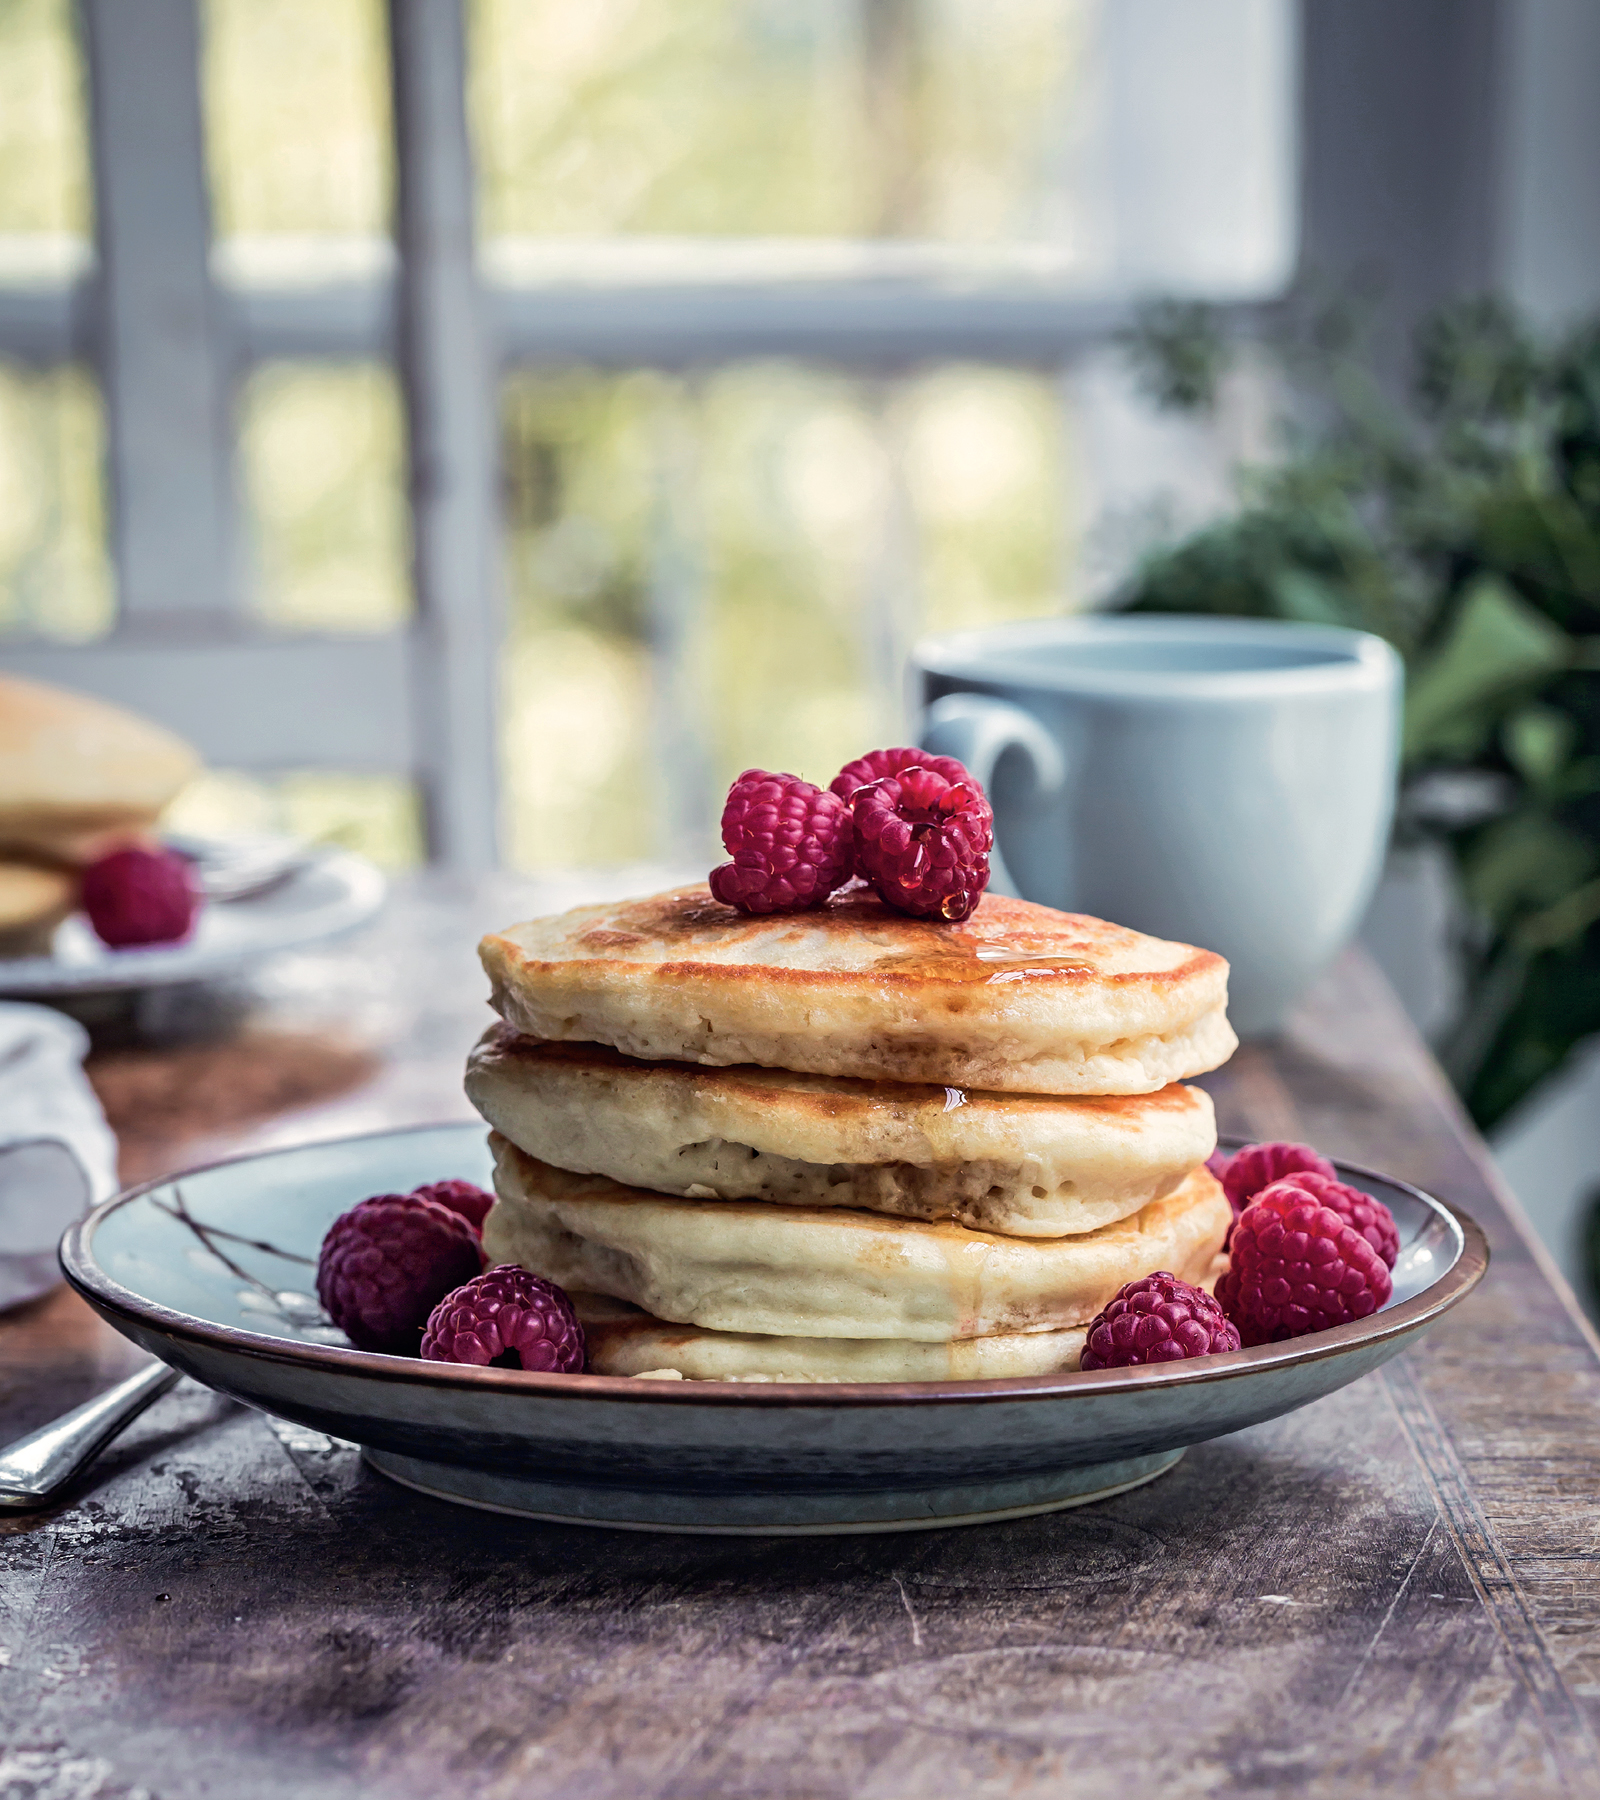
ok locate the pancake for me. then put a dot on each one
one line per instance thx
(624, 1341)
(789, 1271)
(1018, 999)
(33, 902)
(76, 773)
(1028, 1165)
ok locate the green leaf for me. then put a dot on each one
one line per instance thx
(1555, 1010)
(1557, 925)
(1538, 740)
(1495, 645)
(1577, 780)
(1526, 859)
(1303, 597)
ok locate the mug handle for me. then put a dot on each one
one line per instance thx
(978, 730)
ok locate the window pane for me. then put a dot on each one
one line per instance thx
(705, 575)
(844, 117)
(55, 577)
(986, 460)
(297, 117)
(1142, 141)
(700, 116)
(577, 682)
(44, 146)
(321, 454)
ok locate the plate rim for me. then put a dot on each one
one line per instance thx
(107, 1294)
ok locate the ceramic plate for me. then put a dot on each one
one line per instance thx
(213, 1272)
(329, 892)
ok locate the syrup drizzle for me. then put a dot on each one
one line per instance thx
(959, 956)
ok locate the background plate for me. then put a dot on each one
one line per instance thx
(213, 1271)
(331, 891)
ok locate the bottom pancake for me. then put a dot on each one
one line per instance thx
(622, 1340)
(33, 902)
(789, 1271)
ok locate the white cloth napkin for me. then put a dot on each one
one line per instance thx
(57, 1154)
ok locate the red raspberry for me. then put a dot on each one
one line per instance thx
(878, 763)
(789, 841)
(1158, 1319)
(509, 1318)
(1370, 1217)
(1244, 1174)
(140, 896)
(472, 1203)
(924, 842)
(387, 1263)
(1298, 1266)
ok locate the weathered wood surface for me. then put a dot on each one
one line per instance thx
(1393, 1591)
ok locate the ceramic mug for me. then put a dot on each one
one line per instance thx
(1224, 782)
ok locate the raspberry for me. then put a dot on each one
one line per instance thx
(140, 896)
(472, 1203)
(510, 1319)
(789, 841)
(1158, 1319)
(386, 1264)
(924, 842)
(878, 763)
(1370, 1217)
(1298, 1266)
(1244, 1174)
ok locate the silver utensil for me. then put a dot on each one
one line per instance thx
(37, 1467)
(239, 868)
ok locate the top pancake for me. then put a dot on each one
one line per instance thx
(1019, 998)
(75, 772)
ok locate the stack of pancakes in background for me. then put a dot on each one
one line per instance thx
(846, 1144)
(76, 778)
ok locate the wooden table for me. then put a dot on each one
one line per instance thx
(1394, 1591)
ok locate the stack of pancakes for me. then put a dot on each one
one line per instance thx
(846, 1144)
(76, 778)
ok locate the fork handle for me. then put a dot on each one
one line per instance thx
(35, 1468)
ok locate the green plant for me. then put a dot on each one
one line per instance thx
(1463, 524)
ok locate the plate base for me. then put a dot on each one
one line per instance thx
(768, 1514)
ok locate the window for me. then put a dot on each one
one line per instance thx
(793, 318)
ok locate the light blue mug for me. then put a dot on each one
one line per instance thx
(1224, 782)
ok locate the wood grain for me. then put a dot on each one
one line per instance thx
(1395, 1591)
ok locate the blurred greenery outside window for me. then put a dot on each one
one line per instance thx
(46, 209)
(770, 118)
(715, 117)
(55, 576)
(710, 118)
(810, 504)
(795, 522)
(321, 453)
(300, 169)
(798, 482)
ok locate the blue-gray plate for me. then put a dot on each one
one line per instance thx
(213, 1270)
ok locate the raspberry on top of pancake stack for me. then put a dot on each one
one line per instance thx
(843, 1142)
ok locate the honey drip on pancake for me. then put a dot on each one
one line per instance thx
(959, 956)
